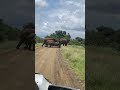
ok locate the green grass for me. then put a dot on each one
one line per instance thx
(102, 68)
(7, 45)
(38, 45)
(75, 55)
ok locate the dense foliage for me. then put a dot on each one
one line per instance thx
(77, 41)
(7, 32)
(59, 34)
(103, 36)
(38, 39)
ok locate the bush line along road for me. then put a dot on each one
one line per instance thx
(50, 63)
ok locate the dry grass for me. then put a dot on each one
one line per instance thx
(75, 55)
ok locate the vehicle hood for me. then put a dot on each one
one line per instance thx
(42, 83)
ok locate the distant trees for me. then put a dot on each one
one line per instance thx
(38, 39)
(8, 32)
(103, 36)
(78, 41)
(60, 34)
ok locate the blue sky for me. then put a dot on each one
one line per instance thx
(66, 15)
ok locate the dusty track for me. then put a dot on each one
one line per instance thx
(49, 62)
(17, 70)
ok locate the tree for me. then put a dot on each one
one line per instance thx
(78, 39)
(8, 32)
(38, 39)
(59, 34)
(69, 36)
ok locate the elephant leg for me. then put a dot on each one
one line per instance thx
(26, 45)
(19, 44)
(29, 46)
(43, 44)
(50, 45)
(25, 48)
(33, 47)
(65, 44)
(59, 45)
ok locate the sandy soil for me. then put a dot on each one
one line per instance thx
(49, 62)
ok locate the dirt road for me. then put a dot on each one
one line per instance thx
(49, 62)
(17, 70)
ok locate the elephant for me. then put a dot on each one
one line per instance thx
(50, 43)
(24, 36)
(58, 43)
(64, 42)
(30, 42)
(45, 41)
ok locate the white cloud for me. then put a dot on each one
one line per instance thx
(70, 16)
(41, 3)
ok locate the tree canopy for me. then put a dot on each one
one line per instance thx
(103, 36)
(59, 34)
(8, 32)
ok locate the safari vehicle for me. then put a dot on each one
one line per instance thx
(42, 83)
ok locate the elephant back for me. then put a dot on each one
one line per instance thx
(32, 35)
(26, 32)
(47, 39)
(50, 41)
